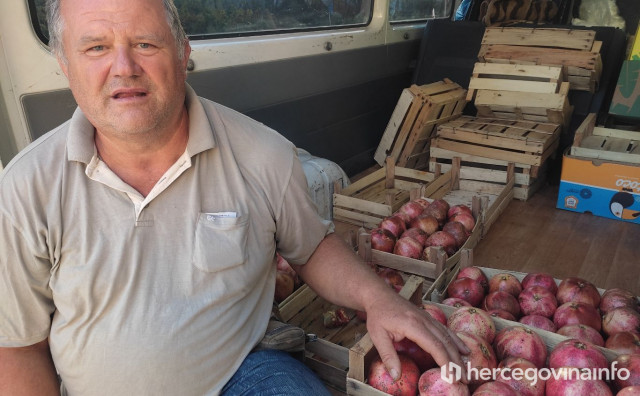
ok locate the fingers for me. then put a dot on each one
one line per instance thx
(444, 345)
(388, 354)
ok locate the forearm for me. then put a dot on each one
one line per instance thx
(28, 371)
(336, 273)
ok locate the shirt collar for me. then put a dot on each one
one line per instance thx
(81, 144)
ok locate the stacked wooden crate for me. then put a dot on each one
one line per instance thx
(419, 110)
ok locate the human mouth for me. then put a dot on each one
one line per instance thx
(128, 93)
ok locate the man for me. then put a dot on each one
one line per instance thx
(137, 240)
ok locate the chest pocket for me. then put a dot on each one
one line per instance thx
(220, 242)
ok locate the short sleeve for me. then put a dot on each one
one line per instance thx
(300, 229)
(27, 303)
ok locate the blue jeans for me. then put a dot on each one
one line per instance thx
(272, 372)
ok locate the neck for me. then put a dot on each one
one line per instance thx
(141, 161)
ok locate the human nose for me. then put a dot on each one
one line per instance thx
(125, 64)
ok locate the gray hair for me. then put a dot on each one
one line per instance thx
(56, 26)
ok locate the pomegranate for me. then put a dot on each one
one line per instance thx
(411, 209)
(444, 239)
(521, 342)
(472, 320)
(403, 216)
(474, 273)
(435, 312)
(540, 279)
(455, 302)
(407, 384)
(577, 313)
(582, 333)
(629, 391)
(502, 300)
(457, 230)
(536, 300)
(442, 205)
(408, 247)
(392, 278)
(632, 364)
(624, 343)
(420, 357)
(495, 388)
(616, 298)
(416, 234)
(466, 219)
(505, 282)
(621, 319)
(569, 383)
(574, 353)
(480, 357)
(539, 322)
(436, 211)
(432, 384)
(466, 289)
(284, 286)
(578, 290)
(422, 202)
(283, 265)
(394, 224)
(427, 223)
(461, 208)
(525, 384)
(383, 240)
(499, 313)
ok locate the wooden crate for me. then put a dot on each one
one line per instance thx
(328, 355)
(607, 144)
(369, 200)
(419, 109)
(486, 147)
(527, 178)
(520, 92)
(576, 51)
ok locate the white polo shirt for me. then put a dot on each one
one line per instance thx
(157, 295)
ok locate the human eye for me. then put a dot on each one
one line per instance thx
(145, 46)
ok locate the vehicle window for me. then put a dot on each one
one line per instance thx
(203, 18)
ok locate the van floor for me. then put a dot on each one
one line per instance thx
(534, 236)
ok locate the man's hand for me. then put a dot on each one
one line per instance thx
(391, 318)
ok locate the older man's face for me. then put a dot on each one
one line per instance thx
(122, 64)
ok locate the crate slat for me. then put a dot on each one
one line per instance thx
(559, 38)
(607, 144)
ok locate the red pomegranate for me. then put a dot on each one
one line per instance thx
(502, 300)
(474, 273)
(539, 322)
(457, 230)
(569, 383)
(408, 247)
(407, 384)
(616, 298)
(461, 208)
(578, 290)
(472, 320)
(577, 313)
(505, 282)
(416, 234)
(455, 302)
(466, 219)
(540, 279)
(431, 383)
(411, 209)
(495, 388)
(435, 312)
(629, 391)
(481, 356)
(444, 239)
(574, 353)
(467, 289)
(536, 300)
(419, 356)
(526, 384)
(441, 204)
(437, 211)
(427, 223)
(519, 341)
(630, 363)
(624, 343)
(392, 277)
(621, 319)
(422, 202)
(582, 333)
(394, 224)
(383, 240)
(499, 313)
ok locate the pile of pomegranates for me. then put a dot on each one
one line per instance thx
(419, 224)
